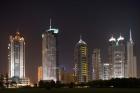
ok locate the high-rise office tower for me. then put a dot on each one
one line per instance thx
(49, 54)
(131, 59)
(112, 44)
(81, 62)
(97, 65)
(16, 56)
(117, 57)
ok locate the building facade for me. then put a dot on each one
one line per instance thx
(131, 59)
(106, 70)
(81, 68)
(122, 62)
(40, 73)
(16, 56)
(49, 54)
(97, 65)
(117, 57)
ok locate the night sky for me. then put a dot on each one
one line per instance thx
(95, 20)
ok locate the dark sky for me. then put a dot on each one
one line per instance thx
(96, 20)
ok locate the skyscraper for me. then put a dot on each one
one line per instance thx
(49, 54)
(131, 59)
(112, 44)
(97, 65)
(117, 57)
(81, 62)
(16, 56)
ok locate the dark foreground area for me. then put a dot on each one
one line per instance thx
(72, 90)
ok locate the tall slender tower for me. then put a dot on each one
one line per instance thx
(81, 62)
(49, 54)
(16, 56)
(112, 44)
(97, 65)
(131, 59)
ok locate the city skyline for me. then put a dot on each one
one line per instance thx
(95, 20)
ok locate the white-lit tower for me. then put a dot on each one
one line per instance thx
(49, 54)
(16, 56)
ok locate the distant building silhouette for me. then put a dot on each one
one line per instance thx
(66, 77)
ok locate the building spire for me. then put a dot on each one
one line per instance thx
(80, 37)
(50, 23)
(81, 41)
(130, 37)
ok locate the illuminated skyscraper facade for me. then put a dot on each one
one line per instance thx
(117, 57)
(97, 65)
(81, 62)
(16, 56)
(122, 62)
(49, 54)
(131, 59)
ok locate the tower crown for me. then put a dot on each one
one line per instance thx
(112, 39)
(120, 38)
(130, 37)
(54, 30)
(81, 41)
